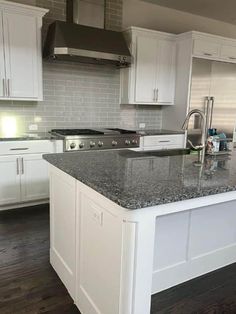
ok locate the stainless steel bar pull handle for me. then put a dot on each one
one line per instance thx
(207, 112)
(22, 166)
(17, 166)
(212, 99)
(155, 98)
(154, 94)
(3, 87)
(19, 148)
(8, 87)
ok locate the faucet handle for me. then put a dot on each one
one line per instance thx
(196, 147)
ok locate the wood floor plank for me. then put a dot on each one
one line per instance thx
(29, 285)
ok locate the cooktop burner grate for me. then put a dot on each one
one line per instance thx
(68, 132)
(122, 131)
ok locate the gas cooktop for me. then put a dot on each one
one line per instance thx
(96, 139)
(74, 132)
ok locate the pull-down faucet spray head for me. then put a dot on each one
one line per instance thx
(201, 147)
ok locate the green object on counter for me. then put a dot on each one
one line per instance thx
(193, 152)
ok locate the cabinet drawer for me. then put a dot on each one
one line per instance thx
(228, 52)
(206, 48)
(164, 141)
(26, 147)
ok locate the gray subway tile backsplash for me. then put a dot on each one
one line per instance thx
(80, 95)
(77, 95)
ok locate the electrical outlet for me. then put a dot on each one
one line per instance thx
(97, 215)
(33, 127)
(142, 125)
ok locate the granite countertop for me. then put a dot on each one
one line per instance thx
(136, 180)
(29, 137)
(32, 136)
(144, 132)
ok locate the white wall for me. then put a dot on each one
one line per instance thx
(148, 15)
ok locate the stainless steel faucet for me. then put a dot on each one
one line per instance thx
(202, 147)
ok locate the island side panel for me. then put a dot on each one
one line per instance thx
(192, 243)
(114, 257)
(99, 257)
(62, 227)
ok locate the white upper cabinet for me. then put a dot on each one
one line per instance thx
(228, 52)
(2, 62)
(207, 46)
(166, 72)
(146, 66)
(191, 45)
(151, 78)
(21, 55)
(20, 51)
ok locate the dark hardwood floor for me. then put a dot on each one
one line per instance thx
(28, 284)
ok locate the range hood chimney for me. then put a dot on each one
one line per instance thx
(86, 43)
(86, 12)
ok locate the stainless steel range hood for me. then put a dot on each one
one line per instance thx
(70, 41)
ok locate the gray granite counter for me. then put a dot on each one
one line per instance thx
(144, 132)
(140, 179)
(29, 137)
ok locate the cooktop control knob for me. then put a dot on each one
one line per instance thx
(135, 142)
(114, 143)
(81, 145)
(72, 146)
(92, 144)
(100, 144)
(127, 142)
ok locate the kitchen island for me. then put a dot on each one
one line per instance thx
(126, 225)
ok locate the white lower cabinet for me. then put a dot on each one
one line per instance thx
(34, 178)
(24, 172)
(23, 178)
(10, 190)
(159, 142)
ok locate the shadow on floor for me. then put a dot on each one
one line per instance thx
(28, 284)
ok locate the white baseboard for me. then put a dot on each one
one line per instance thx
(182, 272)
(26, 204)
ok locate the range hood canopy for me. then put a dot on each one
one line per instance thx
(70, 41)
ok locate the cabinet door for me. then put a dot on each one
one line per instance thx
(20, 38)
(163, 141)
(34, 178)
(166, 72)
(9, 180)
(2, 62)
(206, 48)
(228, 53)
(146, 65)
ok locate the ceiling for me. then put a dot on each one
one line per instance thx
(215, 9)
